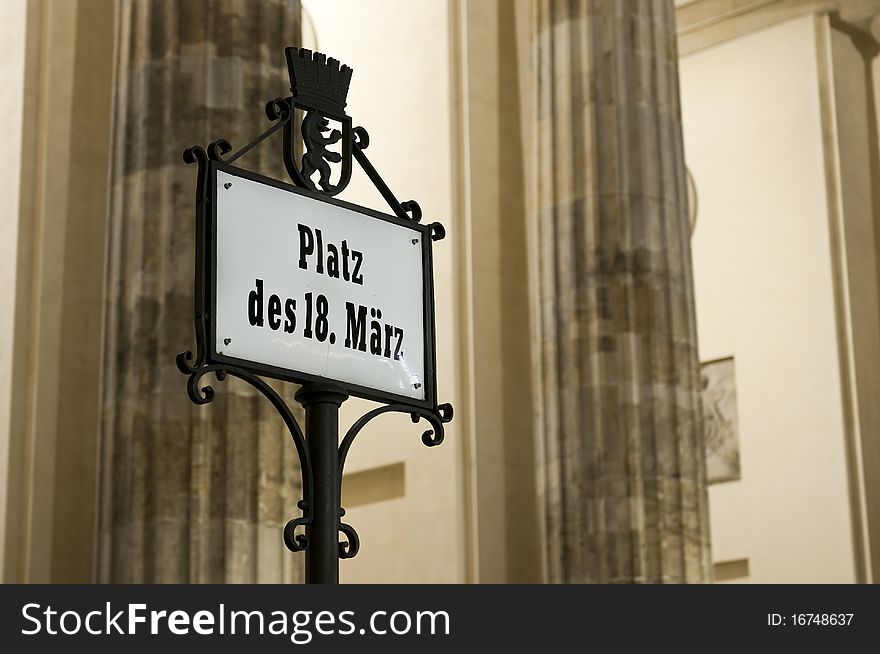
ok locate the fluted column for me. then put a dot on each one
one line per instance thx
(622, 473)
(187, 494)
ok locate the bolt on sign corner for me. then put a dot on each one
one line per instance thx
(308, 288)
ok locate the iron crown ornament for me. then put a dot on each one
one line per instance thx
(319, 86)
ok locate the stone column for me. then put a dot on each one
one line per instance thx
(187, 494)
(622, 472)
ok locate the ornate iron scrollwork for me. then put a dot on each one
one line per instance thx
(430, 437)
(205, 394)
(348, 548)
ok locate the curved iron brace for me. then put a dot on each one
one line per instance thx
(408, 210)
(205, 394)
(277, 110)
(431, 438)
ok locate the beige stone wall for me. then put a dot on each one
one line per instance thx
(491, 169)
(50, 481)
(775, 123)
(13, 22)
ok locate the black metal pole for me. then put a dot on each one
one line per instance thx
(321, 402)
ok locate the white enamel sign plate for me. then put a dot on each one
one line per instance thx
(316, 290)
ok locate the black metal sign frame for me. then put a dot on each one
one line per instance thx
(319, 87)
(425, 234)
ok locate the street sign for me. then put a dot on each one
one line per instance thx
(310, 288)
(294, 284)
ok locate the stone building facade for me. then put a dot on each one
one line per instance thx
(663, 225)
